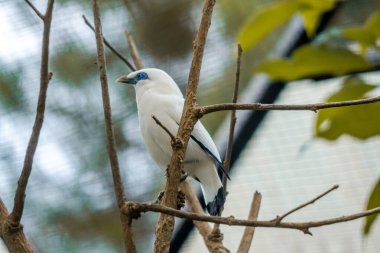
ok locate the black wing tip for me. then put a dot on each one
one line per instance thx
(216, 160)
(216, 207)
(221, 167)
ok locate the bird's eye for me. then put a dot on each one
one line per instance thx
(142, 76)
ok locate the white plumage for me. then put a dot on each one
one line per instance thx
(157, 94)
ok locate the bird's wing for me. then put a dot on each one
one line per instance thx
(205, 142)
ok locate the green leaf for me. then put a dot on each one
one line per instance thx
(361, 121)
(373, 23)
(311, 60)
(373, 202)
(367, 34)
(260, 25)
(362, 35)
(312, 12)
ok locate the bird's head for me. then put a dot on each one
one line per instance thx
(150, 78)
(134, 77)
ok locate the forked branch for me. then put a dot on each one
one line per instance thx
(45, 76)
(232, 221)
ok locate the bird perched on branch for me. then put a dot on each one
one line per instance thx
(158, 95)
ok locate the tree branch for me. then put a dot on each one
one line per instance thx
(203, 110)
(111, 146)
(38, 13)
(14, 239)
(247, 237)
(280, 218)
(110, 47)
(19, 199)
(227, 158)
(203, 227)
(172, 137)
(11, 230)
(231, 221)
(165, 225)
(133, 51)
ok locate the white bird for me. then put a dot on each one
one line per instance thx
(157, 94)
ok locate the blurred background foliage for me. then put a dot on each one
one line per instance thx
(70, 200)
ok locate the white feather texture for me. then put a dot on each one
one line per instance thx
(157, 94)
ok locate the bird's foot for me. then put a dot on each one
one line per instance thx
(180, 199)
(159, 198)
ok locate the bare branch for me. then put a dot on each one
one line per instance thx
(227, 158)
(203, 110)
(14, 239)
(247, 237)
(231, 221)
(280, 218)
(165, 225)
(110, 47)
(172, 137)
(38, 13)
(133, 51)
(111, 145)
(19, 199)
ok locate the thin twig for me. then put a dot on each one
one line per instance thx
(165, 224)
(227, 158)
(19, 198)
(280, 218)
(110, 47)
(111, 145)
(203, 110)
(38, 13)
(172, 137)
(246, 240)
(133, 51)
(10, 226)
(231, 221)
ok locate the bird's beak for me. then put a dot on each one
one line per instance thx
(125, 79)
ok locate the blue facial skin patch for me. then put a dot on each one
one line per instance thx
(140, 76)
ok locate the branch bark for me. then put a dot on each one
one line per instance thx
(231, 221)
(110, 47)
(246, 240)
(45, 76)
(111, 145)
(203, 110)
(14, 239)
(165, 225)
(227, 159)
(280, 218)
(133, 51)
(11, 228)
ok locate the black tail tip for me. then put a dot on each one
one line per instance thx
(216, 207)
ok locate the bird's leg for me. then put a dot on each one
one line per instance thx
(180, 199)
(159, 198)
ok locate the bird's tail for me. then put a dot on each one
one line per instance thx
(213, 193)
(215, 207)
